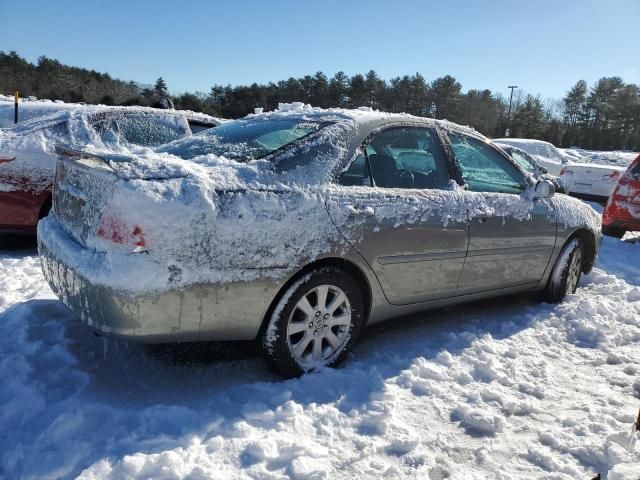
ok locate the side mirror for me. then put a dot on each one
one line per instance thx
(543, 170)
(543, 189)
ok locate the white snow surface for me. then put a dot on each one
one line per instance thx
(507, 389)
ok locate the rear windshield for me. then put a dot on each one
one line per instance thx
(535, 148)
(140, 128)
(618, 160)
(244, 140)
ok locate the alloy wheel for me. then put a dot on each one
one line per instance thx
(318, 327)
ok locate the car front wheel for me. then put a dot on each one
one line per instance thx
(315, 323)
(566, 272)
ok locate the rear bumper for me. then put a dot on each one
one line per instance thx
(20, 210)
(224, 311)
(628, 224)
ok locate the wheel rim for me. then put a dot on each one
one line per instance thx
(318, 326)
(574, 272)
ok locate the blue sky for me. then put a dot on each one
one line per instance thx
(542, 46)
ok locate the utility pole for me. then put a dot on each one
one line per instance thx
(508, 132)
(16, 97)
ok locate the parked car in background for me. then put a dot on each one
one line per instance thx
(572, 154)
(301, 226)
(531, 165)
(27, 157)
(545, 153)
(622, 212)
(594, 177)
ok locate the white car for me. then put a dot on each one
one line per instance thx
(543, 152)
(594, 177)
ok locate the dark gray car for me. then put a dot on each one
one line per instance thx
(300, 227)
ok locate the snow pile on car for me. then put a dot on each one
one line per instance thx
(28, 109)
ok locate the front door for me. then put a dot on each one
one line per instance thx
(395, 206)
(512, 236)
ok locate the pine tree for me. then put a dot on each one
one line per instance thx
(160, 88)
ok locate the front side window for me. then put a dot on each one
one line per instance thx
(403, 157)
(483, 168)
(244, 140)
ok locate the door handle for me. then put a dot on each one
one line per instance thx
(360, 210)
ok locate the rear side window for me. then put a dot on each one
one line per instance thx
(357, 173)
(483, 168)
(402, 157)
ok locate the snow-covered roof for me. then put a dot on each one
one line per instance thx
(362, 115)
(29, 110)
(516, 141)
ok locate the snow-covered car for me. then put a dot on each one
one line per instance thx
(299, 227)
(545, 153)
(622, 212)
(28, 109)
(530, 165)
(594, 177)
(27, 156)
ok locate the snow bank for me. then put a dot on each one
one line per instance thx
(509, 389)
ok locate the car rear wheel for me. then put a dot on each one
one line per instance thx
(613, 232)
(315, 323)
(566, 272)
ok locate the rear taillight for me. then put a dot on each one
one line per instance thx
(6, 159)
(566, 171)
(115, 230)
(622, 190)
(614, 176)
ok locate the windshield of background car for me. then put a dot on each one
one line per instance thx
(537, 148)
(244, 140)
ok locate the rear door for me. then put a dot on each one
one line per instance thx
(511, 236)
(395, 206)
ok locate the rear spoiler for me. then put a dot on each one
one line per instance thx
(89, 159)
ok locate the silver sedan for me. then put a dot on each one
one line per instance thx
(299, 227)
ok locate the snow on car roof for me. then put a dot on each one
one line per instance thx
(49, 119)
(358, 115)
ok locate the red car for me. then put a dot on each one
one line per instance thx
(622, 212)
(27, 157)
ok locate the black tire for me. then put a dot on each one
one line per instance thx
(277, 346)
(45, 209)
(566, 272)
(613, 232)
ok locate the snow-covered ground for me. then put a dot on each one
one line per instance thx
(508, 388)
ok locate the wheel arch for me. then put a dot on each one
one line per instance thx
(589, 247)
(341, 263)
(45, 208)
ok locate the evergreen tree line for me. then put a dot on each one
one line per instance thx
(604, 116)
